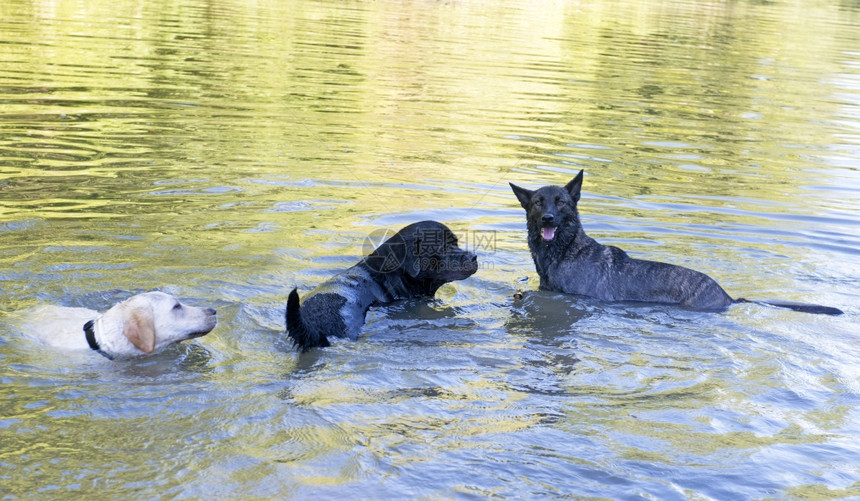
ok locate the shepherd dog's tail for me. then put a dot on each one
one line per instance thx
(791, 305)
(304, 338)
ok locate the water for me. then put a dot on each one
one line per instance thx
(227, 151)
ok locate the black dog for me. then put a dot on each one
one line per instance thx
(414, 262)
(570, 261)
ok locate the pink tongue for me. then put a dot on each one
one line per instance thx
(547, 233)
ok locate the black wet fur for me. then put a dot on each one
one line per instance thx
(413, 263)
(572, 262)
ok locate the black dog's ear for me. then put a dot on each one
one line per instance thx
(411, 263)
(393, 256)
(575, 187)
(523, 195)
(402, 255)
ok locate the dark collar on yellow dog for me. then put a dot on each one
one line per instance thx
(90, 334)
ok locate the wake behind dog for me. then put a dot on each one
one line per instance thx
(567, 260)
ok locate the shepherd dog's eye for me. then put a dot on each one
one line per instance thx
(559, 201)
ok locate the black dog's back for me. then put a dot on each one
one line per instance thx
(336, 308)
(567, 260)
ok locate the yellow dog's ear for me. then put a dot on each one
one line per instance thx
(139, 328)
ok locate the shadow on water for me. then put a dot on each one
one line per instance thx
(187, 357)
(546, 324)
(541, 316)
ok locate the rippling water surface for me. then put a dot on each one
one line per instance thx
(228, 151)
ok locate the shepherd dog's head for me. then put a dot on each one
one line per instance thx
(551, 214)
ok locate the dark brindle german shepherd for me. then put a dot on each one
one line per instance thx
(570, 261)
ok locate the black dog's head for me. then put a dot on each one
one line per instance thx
(420, 258)
(551, 211)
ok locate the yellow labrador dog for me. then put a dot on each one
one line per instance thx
(141, 325)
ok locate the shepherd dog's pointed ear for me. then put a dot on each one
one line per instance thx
(523, 195)
(575, 187)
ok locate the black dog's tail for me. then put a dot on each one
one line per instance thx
(791, 305)
(304, 338)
